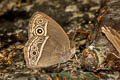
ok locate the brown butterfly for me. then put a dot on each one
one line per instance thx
(113, 36)
(48, 43)
(109, 24)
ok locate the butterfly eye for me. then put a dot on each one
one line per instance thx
(34, 53)
(39, 31)
(40, 21)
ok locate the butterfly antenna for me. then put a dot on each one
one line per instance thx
(75, 31)
(72, 40)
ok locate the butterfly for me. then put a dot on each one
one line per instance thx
(113, 36)
(47, 44)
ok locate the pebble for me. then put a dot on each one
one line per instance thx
(71, 8)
